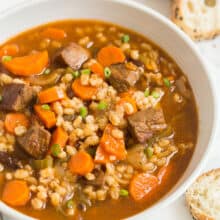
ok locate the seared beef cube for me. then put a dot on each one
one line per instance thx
(9, 160)
(35, 141)
(72, 55)
(122, 78)
(16, 96)
(97, 182)
(145, 123)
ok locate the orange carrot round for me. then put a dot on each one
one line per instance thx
(9, 50)
(28, 65)
(59, 137)
(83, 92)
(141, 185)
(112, 145)
(110, 55)
(12, 120)
(16, 193)
(81, 163)
(54, 33)
(51, 95)
(98, 69)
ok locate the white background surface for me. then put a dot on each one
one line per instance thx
(211, 52)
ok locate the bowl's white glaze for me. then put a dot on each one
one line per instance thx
(157, 28)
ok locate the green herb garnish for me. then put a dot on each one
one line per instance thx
(125, 38)
(102, 105)
(76, 74)
(155, 94)
(45, 107)
(147, 92)
(56, 149)
(123, 192)
(69, 204)
(83, 112)
(107, 72)
(85, 71)
(166, 82)
(6, 58)
(47, 71)
(149, 152)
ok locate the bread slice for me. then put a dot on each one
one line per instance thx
(203, 197)
(200, 19)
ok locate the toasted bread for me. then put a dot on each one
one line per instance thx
(200, 19)
(203, 197)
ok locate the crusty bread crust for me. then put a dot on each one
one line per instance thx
(178, 16)
(196, 212)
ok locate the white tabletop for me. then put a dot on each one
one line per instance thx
(211, 51)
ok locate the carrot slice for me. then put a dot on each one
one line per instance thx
(98, 69)
(81, 163)
(51, 95)
(46, 116)
(54, 33)
(111, 145)
(110, 55)
(127, 98)
(101, 157)
(59, 137)
(28, 65)
(141, 185)
(83, 92)
(12, 120)
(9, 50)
(16, 193)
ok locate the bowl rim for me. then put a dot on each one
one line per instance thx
(11, 212)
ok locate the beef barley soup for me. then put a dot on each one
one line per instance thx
(94, 118)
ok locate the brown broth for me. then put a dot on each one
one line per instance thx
(185, 126)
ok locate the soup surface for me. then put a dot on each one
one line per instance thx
(96, 122)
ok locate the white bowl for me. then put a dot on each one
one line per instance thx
(157, 28)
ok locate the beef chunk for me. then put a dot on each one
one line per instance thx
(97, 182)
(9, 160)
(145, 123)
(16, 96)
(122, 78)
(35, 141)
(72, 55)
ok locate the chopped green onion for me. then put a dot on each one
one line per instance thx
(56, 149)
(102, 105)
(125, 38)
(45, 107)
(147, 92)
(155, 94)
(69, 204)
(6, 58)
(83, 112)
(123, 192)
(76, 74)
(149, 152)
(86, 71)
(166, 82)
(107, 72)
(0, 98)
(47, 71)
